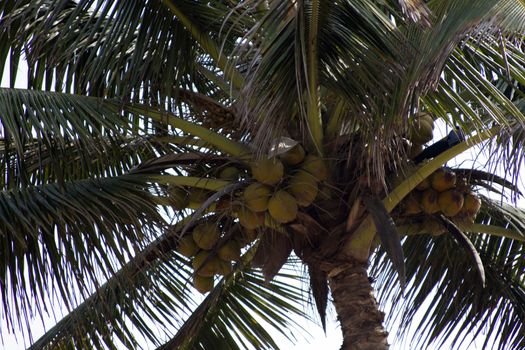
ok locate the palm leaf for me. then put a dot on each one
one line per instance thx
(459, 304)
(78, 231)
(155, 281)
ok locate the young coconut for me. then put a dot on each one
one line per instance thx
(268, 171)
(197, 197)
(178, 198)
(450, 202)
(187, 246)
(203, 284)
(429, 201)
(229, 251)
(315, 166)
(443, 180)
(204, 265)
(225, 267)
(245, 236)
(283, 207)
(471, 205)
(421, 129)
(229, 173)
(303, 186)
(249, 219)
(433, 227)
(206, 235)
(256, 196)
(293, 156)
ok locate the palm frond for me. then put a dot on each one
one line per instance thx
(237, 313)
(152, 294)
(459, 304)
(346, 59)
(35, 123)
(146, 51)
(76, 231)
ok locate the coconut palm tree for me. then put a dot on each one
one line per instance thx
(166, 145)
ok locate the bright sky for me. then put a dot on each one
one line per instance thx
(315, 339)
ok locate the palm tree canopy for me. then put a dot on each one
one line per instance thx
(118, 149)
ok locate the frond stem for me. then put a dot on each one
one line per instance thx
(208, 45)
(359, 246)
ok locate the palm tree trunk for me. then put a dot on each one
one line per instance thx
(357, 309)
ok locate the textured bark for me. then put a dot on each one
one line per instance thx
(357, 309)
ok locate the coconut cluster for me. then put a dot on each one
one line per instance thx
(279, 187)
(421, 131)
(212, 254)
(282, 185)
(445, 193)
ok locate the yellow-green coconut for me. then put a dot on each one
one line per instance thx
(293, 156)
(197, 197)
(283, 207)
(249, 219)
(204, 264)
(203, 284)
(443, 179)
(206, 235)
(429, 201)
(315, 166)
(229, 251)
(178, 198)
(471, 205)
(187, 246)
(229, 173)
(303, 186)
(268, 171)
(450, 202)
(256, 196)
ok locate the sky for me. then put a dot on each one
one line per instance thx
(315, 338)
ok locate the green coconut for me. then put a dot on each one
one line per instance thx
(229, 173)
(421, 129)
(204, 264)
(203, 284)
(303, 186)
(249, 219)
(229, 251)
(425, 117)
(414, 150)
(256, 196)
(206, 235)
(283, 207)
(268, 171)
(315, 166)
(429, 201)
(450, 202)
(443, 179)
(471, 205)
(225, 267)
(187, 246)
(293, 156)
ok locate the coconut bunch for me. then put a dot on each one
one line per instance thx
(282, 185)
(212, 252)
(277, 189)
(442, 193)
(421, 131)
